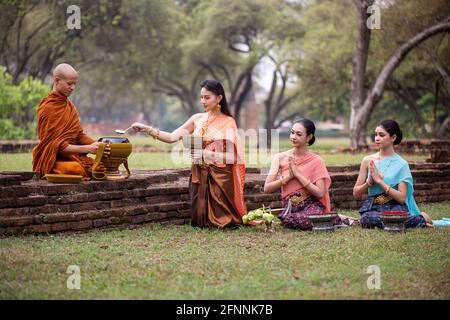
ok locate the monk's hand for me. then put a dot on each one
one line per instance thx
(107, 151)
(139, 126)
(93, 148)
(375, 173)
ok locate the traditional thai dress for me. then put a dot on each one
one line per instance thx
(59, 126)
(394, 170)
(297, 201)
(217, 189)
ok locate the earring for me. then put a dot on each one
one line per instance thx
(218, 106)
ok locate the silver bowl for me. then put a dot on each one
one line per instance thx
(394, 222)
(323, 222)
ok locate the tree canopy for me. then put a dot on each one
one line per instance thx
(297, 57)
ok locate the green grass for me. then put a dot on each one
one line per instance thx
(182, 262)
(162, 160)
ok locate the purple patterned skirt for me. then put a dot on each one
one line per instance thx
(294, 216)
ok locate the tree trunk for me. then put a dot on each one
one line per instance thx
(360, 116)
(357, 129)
(268, 106)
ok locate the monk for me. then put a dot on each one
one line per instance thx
(63, 146)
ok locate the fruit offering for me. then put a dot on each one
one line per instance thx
(258, 214)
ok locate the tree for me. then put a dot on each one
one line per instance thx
(18, 104)
(118, 50)
(228, 51)
(122, 55)
(362, 105)
(34, 35)
(324, 69)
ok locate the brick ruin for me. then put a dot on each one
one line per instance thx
(160, 196)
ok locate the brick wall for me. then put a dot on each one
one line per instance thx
(30, 206)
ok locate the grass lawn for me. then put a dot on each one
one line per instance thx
(163, 160)
(182, 262)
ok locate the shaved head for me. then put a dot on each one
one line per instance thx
(64, 71)
(65, 79)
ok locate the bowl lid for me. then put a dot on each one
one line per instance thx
(63, 178)
(395, 212)
(322, 212)
(114, 140)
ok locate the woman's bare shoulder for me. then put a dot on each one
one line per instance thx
(284, 154)
(198, 116)
(369, 157)
(283, 157)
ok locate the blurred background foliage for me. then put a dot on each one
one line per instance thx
(148, 57)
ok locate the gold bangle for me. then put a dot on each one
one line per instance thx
(309, 182)
(157, 135)
(282, 181)
(387, 190)
(149, 131)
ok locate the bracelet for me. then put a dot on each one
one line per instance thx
(282, 181)
(157, 135)
(387, 190)
(309, 182)
(149, 131)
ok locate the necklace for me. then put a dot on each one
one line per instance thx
(206, 124)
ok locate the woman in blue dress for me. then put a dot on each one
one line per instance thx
(386, 178)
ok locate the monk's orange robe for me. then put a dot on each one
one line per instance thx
(59, 126)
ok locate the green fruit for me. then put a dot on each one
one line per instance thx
(268, 217)
(259, 213)
(251, 215)
(245, 219)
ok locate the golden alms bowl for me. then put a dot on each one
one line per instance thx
(120, 150)
(120, 146)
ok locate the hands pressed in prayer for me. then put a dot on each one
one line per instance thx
(375, 174)
(290, 175)
(293, 169)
